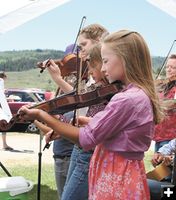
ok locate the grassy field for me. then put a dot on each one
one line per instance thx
(33, 79)
(30, 79)
(48, 187)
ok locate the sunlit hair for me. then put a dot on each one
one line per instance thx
(94, 32)
(133, 50)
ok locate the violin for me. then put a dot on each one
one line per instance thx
(68, 65)
(165, 81)
(169, 105)
(69, 102)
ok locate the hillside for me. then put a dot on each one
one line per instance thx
(20, 67)
(26, 59)
(30, 79)
(21, 70)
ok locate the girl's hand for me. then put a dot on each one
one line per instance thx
(28, 114)
(51, 135)
(82, 120)
(48, 136)
(53, 69)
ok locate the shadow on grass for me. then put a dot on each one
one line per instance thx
(46, 193)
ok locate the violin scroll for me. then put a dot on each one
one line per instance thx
(44, 65)
(68, 65)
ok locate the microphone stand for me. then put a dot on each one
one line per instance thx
(39, 166)
(48, 144)
(5, 170)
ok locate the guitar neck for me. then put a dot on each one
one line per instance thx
(174, 170)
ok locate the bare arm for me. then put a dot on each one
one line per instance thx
(63, 129)
(44, 128)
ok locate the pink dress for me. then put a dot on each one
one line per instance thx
(113, 177)
(120, 134)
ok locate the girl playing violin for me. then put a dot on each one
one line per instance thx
(89, 36)
(76, 186)
(122, 132)
(166, 130)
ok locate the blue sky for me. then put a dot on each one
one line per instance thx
(58, 28)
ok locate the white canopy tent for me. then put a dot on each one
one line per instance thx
(168, 6)
(14, 13)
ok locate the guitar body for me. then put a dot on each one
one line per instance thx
(159, 173)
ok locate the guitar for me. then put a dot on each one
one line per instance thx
(159, 173)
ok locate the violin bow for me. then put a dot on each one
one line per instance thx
(75, 48)
(79, 30)
(164, 62)
(78, 67)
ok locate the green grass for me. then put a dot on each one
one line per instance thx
(48, 186)
(147, 160)
(30, 79)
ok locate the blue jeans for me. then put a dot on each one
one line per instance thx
(158, 145)
(76, 186)
(61, 168)
(155, 188)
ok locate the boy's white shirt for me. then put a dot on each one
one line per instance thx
(5, 112)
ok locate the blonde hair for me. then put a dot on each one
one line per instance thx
(133, 50)
(94, 32)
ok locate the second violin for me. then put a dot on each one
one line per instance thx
(68, 65)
